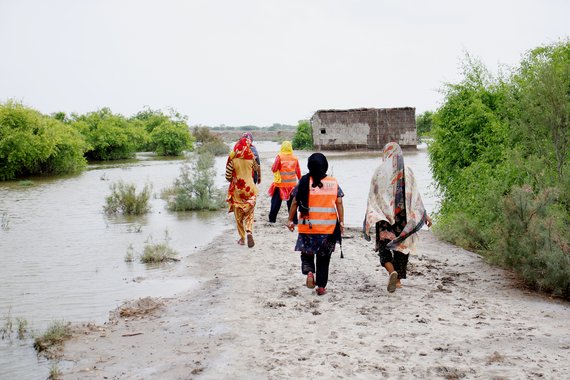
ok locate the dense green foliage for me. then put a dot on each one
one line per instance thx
(35, 144)
(110, 136)
(169, 135)
(195, 189)
(500, 158)
(303, 138)
(171, 139)
(424, 123)
(125, 199)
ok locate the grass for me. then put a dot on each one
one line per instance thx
(55, 335)
(54, 372)
(130, 256)
(5, 221)
(158, 252)
(26, 183)
(22, 327)
(7, 328)
(125, 199)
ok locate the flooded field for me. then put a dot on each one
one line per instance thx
(64, 259)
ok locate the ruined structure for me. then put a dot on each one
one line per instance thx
(364, 128)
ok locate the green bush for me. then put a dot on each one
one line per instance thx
(533, 239)
(209, 142)
(500, 158)
(303, 138)
(35, 144)
(195, 189)
(216, 148)
(158, 252)
(110, 136)
(171, 139)
(55, 335)
(169, 134)
(424, 123)
(124, 199)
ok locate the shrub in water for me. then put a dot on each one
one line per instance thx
(158, 252)
(124, 199)
(209, 142)
(194, 189)
(56, 334)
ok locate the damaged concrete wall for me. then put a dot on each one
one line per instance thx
(365, 128)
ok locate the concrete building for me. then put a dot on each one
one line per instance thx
(364, 128)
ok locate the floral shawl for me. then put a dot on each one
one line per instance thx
(393, 192)
(241, 191)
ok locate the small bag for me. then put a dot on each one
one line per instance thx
(229, 170)
(276, 177)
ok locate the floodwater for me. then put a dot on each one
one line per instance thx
(63, 259)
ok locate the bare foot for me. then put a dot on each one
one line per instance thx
(241, 242)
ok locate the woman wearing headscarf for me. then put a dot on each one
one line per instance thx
(286, 171)
(395, 209)
(256, 173)
(242, 192)
(321, 221)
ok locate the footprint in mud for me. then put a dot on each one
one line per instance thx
(274, 304)
(366, 288)
(450, 373)
(291, 292)
(443, 289)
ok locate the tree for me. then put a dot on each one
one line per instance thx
(469, 126)
(542, 97)
(171, 139)
(110, 136)
(303, 138)
(33, 144)
(424, 123)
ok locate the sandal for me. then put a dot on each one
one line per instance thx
(392, 282)
(240, 242)
(310, 280)
(250, 242)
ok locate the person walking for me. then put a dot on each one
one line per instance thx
(286, 172)
(256, 173)
(396, 211)
(242, 191)
(318, 198)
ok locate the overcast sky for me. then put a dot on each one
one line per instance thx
(257, 62)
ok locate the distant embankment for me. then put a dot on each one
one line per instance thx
(258, 135)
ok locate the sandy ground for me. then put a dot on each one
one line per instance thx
(251, 317)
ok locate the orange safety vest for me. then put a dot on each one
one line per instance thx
(322, 211)
(287, 171)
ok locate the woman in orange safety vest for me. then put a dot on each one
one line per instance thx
(286, 172)
(321, 221)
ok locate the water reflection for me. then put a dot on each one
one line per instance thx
(64, 259)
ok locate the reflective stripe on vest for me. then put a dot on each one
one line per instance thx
(287, 171)
(322, 211)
